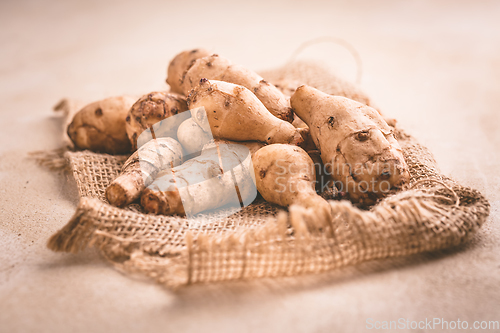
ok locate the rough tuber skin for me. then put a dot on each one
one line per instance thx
(218, 68)
(285, 175)
(179, 65)
(100, 126)
(234, 113)
(150, 109)
(357, 146)
(141, 168)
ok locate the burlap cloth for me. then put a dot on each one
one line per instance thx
(432, 213)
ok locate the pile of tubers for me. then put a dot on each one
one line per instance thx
(213, 107)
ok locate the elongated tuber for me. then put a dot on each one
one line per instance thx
(179, 65)
(141, 168)
(285, 175)
(149, 110)
(234, 113)
(100, 126)
(218, 68)
(220, 176)
(357, 146)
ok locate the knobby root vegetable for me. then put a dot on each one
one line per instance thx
(218, 68)
(234, 113)
(149, 110)
(357, 146)
(220, 176)
(285, 175)
(141, 168)
(179, 65)
(100, 126)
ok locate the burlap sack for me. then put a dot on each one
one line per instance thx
(262, 240)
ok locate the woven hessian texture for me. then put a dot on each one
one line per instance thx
(262, 240)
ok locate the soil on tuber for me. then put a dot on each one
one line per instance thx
(151, 109)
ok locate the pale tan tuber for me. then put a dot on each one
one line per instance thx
(100, 126)
(234, 113)
(357, 146)
(285, 175)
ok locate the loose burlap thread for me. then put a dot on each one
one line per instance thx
(262, 240)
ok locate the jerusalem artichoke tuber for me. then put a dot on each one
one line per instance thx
(100, 126)
(357, 146)
(285, 175)
(234, 113)
(149, 110)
